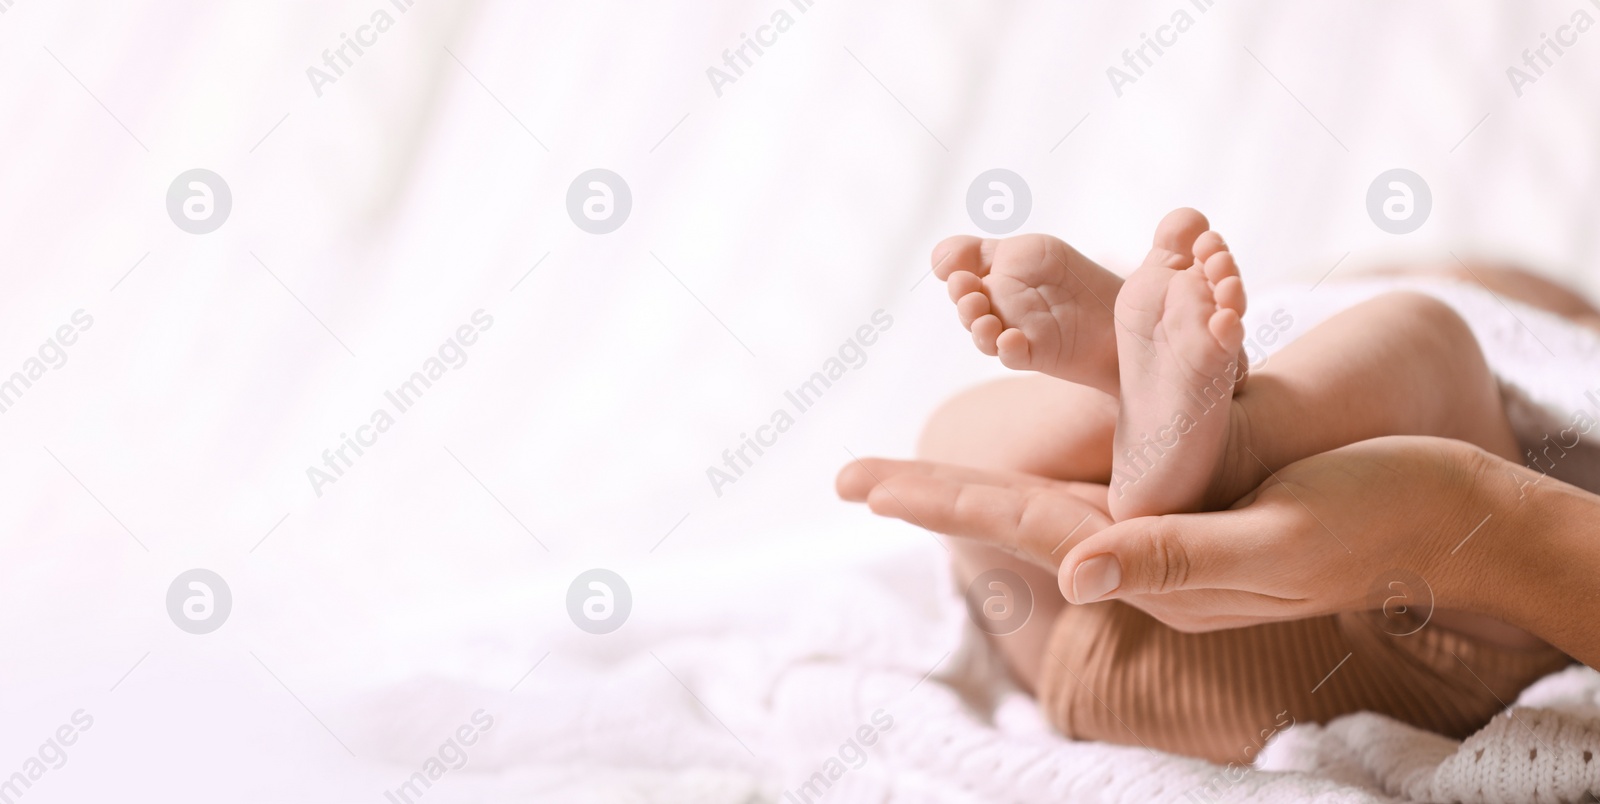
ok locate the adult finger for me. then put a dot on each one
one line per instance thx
(858, 477)
(1164, 554)
(1042, 523)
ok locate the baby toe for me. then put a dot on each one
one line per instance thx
(959, 253)
(1207, 245)
(961, 283)
(1014, 351)
(1220, 266)
(1179, 230)
(972, 307)
(1227, 328)
(985, 333)
(1230, 295)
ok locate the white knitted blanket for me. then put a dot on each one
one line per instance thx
(757, 713)
(867, 683)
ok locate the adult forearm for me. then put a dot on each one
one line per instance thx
(1542, 571)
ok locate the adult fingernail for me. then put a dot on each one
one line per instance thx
(1096, 578)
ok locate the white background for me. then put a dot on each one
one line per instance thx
(427, 181)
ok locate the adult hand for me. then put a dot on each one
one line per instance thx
(1487, 536)
(1317, 538)
(1314, 539)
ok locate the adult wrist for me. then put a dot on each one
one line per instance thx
(1535, 567)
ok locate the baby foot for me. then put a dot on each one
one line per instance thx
(1036, 303)
(1179, 338)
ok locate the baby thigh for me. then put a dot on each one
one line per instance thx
(1034, 424)
(1030, 423)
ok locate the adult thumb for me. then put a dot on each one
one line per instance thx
(1149, 556)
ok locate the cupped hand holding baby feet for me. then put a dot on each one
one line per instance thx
(1312, 540)
(1316, 538)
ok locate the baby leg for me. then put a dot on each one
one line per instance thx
(1033, 424)
(1399, 364)
(1190, 438)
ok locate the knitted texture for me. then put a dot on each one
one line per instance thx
(1544, 749)
(743, 718)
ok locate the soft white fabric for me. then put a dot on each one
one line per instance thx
(890, 637)
(1545, 748)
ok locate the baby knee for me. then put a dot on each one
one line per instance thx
(1427, 314)
(1416, 306)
